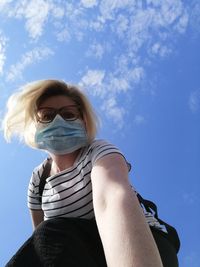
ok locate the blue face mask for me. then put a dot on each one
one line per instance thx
(61, 137)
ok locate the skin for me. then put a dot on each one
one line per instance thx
(125, 235)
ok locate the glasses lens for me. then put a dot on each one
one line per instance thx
(69, 114)
(46, 115)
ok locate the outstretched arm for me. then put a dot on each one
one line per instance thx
(125, 235)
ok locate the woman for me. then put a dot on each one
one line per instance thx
(88, 214)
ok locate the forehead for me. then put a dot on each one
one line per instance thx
(57, 101)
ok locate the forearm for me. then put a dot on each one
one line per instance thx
(126, 237)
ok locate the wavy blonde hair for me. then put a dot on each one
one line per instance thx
(22, 105)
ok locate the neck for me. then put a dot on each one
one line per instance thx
(62, 162)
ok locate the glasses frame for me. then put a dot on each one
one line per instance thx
(58, 111)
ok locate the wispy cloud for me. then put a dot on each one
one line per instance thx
(93, 82)
(89, 3)
(58, 12)
(64, 35)
(136, 31)
(194, 16)
(34, 12)
(158, 49)
(123, 24)
(3, 41)
(36, 55)
(97, 50)
(4, 4)
(194, 101)
(110, 86)
(108, 8)
(112, 110)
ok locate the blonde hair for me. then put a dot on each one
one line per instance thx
(22, 105)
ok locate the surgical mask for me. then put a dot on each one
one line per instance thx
(61, 137)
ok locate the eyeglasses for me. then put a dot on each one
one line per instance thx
(68, 113)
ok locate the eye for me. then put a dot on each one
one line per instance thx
(68, 115)
(45, 115)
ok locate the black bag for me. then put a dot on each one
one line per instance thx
(171, 234)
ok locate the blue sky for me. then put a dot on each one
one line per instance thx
(138, 62)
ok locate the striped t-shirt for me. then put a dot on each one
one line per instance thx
(69, 193)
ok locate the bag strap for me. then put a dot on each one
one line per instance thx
(44, 176)
(148, 204)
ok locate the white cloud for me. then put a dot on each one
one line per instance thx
(3, 41)
(122, 25)
(34, 12)
(97, 24)
(170, 11)
(89, 3)
(129, 19)
(138, 31)
(160, 49)
(139, 27)
(136, 75)
(96, 50)
(194, 101)
(58, 12)
(194, 17)
(182, 23)
(135, 30)
(64, 35)
(28, 59)
(109, 87)
(112, 110)
(4, 4)
(107, 90)
(92, 81)
(75, 20)
(117, 84)
(108, 8)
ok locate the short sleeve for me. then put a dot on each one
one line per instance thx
(101, 148)
(33, 198)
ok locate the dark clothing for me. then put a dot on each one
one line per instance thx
(71, 242)
(166, 249)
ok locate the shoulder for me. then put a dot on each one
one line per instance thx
(100, 148)
(100, 143)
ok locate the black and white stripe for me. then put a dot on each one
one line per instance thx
(69, 193)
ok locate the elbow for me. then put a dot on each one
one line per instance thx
(117, 198)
